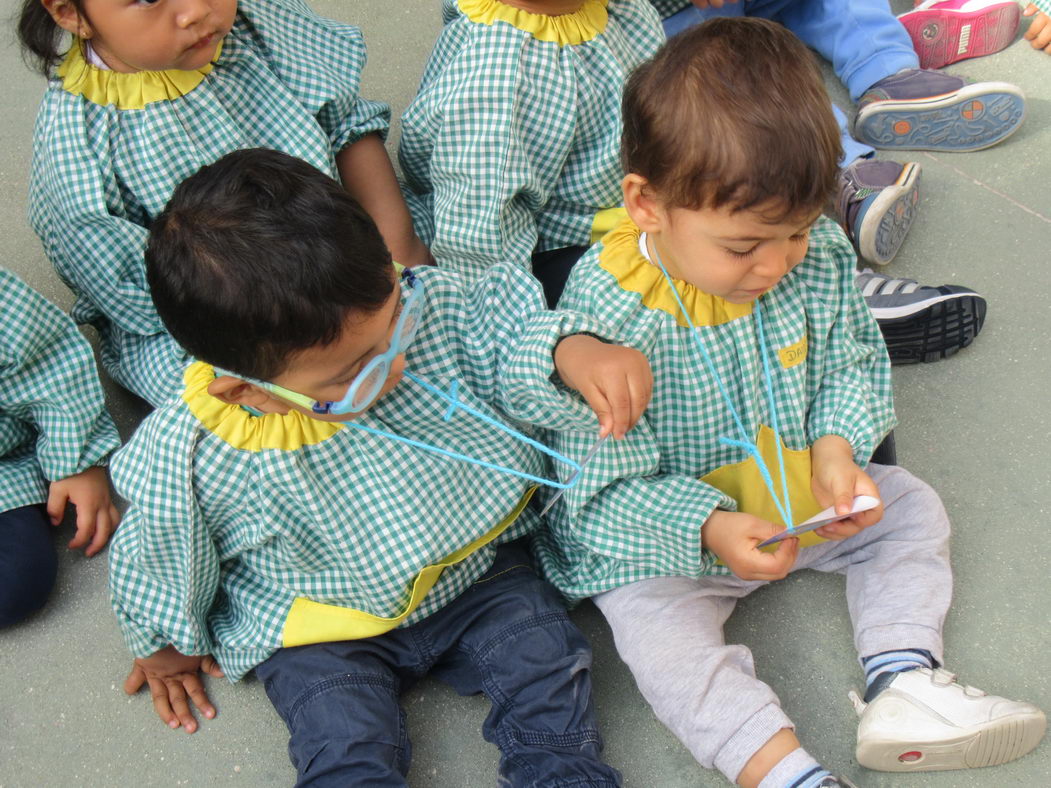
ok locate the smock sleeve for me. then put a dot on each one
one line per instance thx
(320, 60)
(164, 565)
(853, 397)
(49, 382)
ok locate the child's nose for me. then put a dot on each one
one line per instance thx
(191, 12)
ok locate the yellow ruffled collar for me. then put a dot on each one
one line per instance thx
(620, 256)
(240, 429)
(126, 91)
(565, 29)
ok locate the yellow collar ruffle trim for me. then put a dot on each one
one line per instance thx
(126, 91)
(565, 29)
(237, 427)
(620, 256)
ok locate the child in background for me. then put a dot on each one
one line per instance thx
(292, 511)
(146, 94)
(771, 389)
(510, 150)
(56, 435)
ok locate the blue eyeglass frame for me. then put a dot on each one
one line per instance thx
(374, 374)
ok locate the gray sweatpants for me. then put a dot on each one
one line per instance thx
(669, 630)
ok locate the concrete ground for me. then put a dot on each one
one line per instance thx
(975, 426)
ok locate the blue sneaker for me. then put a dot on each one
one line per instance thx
(876, 204)
(927, 110)
(919, 322)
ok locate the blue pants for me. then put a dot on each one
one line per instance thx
(508, 636)
(27, 562)
(862, 38)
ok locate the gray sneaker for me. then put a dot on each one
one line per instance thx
(917, 109)
(876, 204)
(920, 322)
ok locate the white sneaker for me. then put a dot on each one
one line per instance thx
(925, 721)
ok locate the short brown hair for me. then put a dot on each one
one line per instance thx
(732, 112)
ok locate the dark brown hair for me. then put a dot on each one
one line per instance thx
(43, 41)
(733, 112)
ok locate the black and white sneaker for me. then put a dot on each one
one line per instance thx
(921, 322)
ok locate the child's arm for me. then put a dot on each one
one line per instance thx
(836, 480)
(368, 176)
(1039, 32)
(97, 517)
(734, 536)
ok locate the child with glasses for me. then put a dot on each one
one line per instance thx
(771, 389)
(335, 499)
(55, 436)
(147, 91)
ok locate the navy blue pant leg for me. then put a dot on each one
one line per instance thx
(340, 703)
(27, 562)
(509, 637)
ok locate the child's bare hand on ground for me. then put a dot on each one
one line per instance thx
(615, 381)
(733, 537)
(97, 517)
(836, 480)
(1039, 32)
(174, 681)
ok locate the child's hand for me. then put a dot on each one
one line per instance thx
(836, 480)
(733, 537)
(173, 680)
(97, 517)
(615, 381)
(1039, 32)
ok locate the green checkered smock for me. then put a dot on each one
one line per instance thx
(53, 420)
(512, 144)
(667, 8)
(638, 510)
(1043, 5)
(222, 534)
(285, 78)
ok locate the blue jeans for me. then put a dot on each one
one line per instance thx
(862, 38)
(27, 562)
(508, 636)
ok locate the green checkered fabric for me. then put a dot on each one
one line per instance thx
(218, 541)
(513, 144)
(668, 8)
(638, 510)
(286, 79)
(1043, 5)
(53, 420)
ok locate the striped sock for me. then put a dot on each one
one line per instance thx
(796, 770)
(880, 668)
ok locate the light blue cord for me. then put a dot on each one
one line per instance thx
(747, 444)
(456, 404)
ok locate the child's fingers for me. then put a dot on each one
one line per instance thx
(641, 391)
(1043, 38)
(56, 504)
(195, 688)
(85, 527)
(104, 526)
(133, 683)
(180, 704)
(211, 667)
(775, 565)
(159, 694)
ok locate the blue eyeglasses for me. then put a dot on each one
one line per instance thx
(368, 383)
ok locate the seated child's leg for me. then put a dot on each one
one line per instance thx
(509, 636)
(669, 632)
(340, 703)
(27, 562)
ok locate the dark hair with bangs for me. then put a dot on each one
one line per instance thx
(259, 256)
(42, 40)
(733, 113)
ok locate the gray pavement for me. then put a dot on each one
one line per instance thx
(976, 426)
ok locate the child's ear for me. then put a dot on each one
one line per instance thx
(68, 17)
(234, 391)
(641, 204)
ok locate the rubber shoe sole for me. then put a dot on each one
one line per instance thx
(931, 330)
(984, 745)
(882, 228)
(971, 118)
(944, 36)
